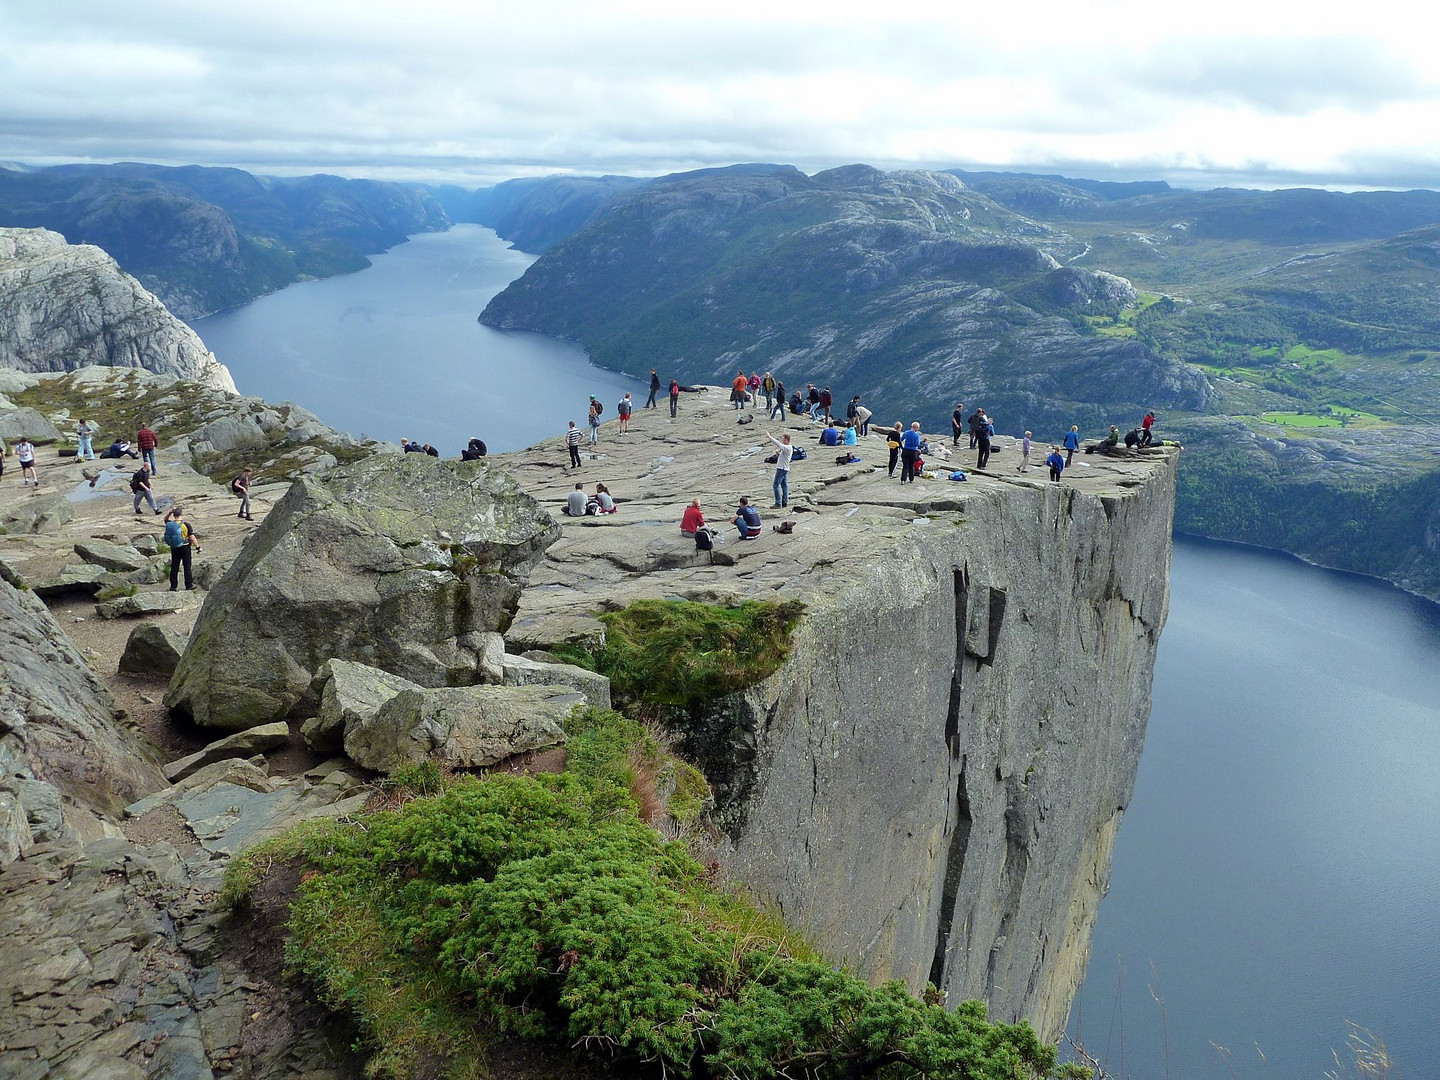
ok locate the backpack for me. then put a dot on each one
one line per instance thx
(235, 484)
(703, 541)
(174, 534)
(799, 454)
(599, 408)
(135, 483)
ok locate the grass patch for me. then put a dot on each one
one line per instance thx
(545, 908)
(678, 652)
(1332, 417)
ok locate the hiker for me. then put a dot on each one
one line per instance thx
(1072, 443)
(1024, 453)
(474, 450)
(779, 405)
(957, 424)
(654, 389)
(862, 418)
(25, 454)
(983, 434)
(140, 485)
(1146, 435)
(797, 404)
(674, 398)
(1111, 440)
(575, 502)
(119, 448)
(430, 451)
(624, 409)
(572, 443)
(1056, 463)
(746, 520)
(410, 446)
(910, 452)
(738, 390)
(849, 436)
(182, 540)
(604, 500)
(240, 488)
(826, 400)
(3, 452)
(831, 435)
(892, 440)
(593, 419)
(1132, 438)
(813, 397)
(692, 520)
(973, 423)
(783, 453)
(768, 384)
(146, 442)
(83, 434)
(754, 385)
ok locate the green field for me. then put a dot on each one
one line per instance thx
(1330, 418)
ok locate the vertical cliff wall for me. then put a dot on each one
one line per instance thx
(931, 785)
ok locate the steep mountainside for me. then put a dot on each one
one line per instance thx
(203, 239)
(904, 287)
(65, 306)
(535, 214)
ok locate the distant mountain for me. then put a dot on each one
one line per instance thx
(904, 287)
(536, 214)
(202, 239)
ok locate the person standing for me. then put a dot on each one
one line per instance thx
(892, 441)
(779, 406)
(624, 409)
(140, 485)
(182, 540)
(674, 398)
(768, 384)
(1072, 443)
(240, 488)
(826, 400)
(976, 419)
(910, 452)
(813, 397)
(1056, 463)
(1146, 436)
(1024, 453)
(25, 454)
(146, 441)
(754, 385)
(83, 434)
(572, 443)
(983, 436)
(783, 453)
(3, 452)
(738, 389)
(594, 420)
(654, 389)
(862, 418)
(957, 424)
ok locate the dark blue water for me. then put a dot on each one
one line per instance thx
(1278, 871)
(394, 351)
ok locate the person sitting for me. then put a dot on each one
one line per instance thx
(119, 448)
(474, 451)
(830, 436)
(797, 403)
(410, 446)
(575, 502)
(747, 520)
(603, 500)
(848, 436)
(692, 520)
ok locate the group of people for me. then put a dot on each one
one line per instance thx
(578, 504)
(746, 521)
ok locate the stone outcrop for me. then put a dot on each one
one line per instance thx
(402, 562)
(350, 694)
(931, 784)
(64, 306)
(152, 649)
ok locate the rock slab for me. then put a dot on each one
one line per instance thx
(242, 744)
(350, 694)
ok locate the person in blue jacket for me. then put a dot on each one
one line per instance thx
(1056, 463)
(747, 520)
(1072, 443)
(830, 436)
(910, 452)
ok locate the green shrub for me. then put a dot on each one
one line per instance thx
(544, 907)
(678, 652)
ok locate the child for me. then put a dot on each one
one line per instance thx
(1024, 453)
(1056, 463)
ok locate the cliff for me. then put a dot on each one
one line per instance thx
(66, 306)
(932, 783)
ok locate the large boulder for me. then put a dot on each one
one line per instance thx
(463, 727)
(401, 562)
(119, 557)
(349, 694)
(152, 649)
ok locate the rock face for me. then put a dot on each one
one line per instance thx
(64, 306)
(67, 769)
(400, 562)
(931, 784)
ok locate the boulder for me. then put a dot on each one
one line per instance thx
(145, 603)
(240, 772)
(28, 422)
(75, 578)
(152, 649)
(522, 672)
(395, 561)
(242, 744)
(118, 557)
(147, 544)
(349, 694)
(461, 727)
(40, 514)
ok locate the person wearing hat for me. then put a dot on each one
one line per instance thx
(594, 418)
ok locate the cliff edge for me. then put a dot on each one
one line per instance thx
(931, 785)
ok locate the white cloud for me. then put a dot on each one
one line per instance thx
(1320, 93)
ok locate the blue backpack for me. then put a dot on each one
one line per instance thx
(174, 534)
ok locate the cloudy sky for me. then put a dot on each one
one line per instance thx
(1226, 92)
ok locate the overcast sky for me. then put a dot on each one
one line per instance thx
(1223, 92)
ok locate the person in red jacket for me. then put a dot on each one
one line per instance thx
(692, 520)
(1146, 435)
(145, 439)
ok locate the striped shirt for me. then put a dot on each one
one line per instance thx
(572, 437)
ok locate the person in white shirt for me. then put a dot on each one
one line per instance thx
(782, 469)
